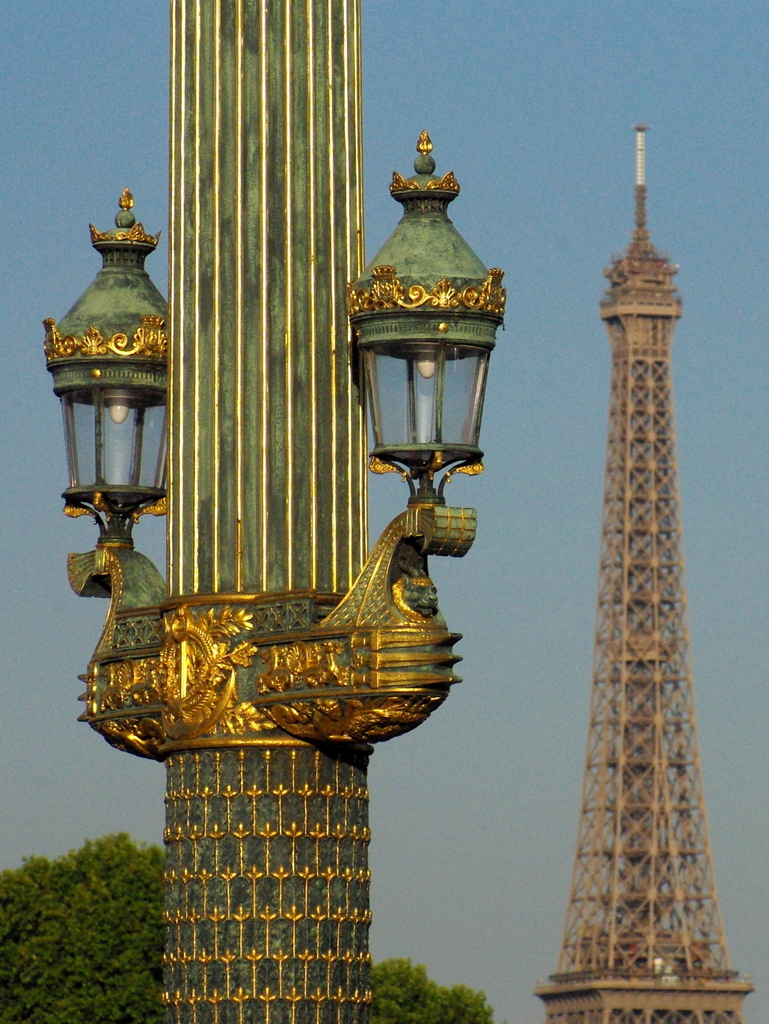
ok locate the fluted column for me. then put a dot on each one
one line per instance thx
(266, 428)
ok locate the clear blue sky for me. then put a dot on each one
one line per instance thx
(530, 103)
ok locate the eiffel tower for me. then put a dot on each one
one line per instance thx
(643, 942)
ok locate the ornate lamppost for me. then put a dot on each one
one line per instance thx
(277, 652)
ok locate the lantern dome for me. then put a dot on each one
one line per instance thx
(425, 247)
(119, 298)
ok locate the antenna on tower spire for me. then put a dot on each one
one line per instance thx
(640, 153)
(640, 175)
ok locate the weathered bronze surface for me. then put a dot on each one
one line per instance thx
(267, 880)
(267, 481)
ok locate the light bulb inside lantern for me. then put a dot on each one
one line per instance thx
(426, 367)
(118, 408)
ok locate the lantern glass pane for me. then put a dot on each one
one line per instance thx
(133, 430)
(402, 385)
(464, 378)
(78, 409)
(154, 460)
(115, 438)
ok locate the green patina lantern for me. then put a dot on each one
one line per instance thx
(425, 313)
(108, 360)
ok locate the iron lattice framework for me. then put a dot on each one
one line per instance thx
(643, 942)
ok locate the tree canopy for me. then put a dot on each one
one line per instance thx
(81, 939)
(403, 994)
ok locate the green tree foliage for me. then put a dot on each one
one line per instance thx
(403, 994)
(81, 937)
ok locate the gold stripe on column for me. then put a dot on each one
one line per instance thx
(174, 462)
(288, 170)
(216, 482)
(350, 186)
(314, 490)
(196, 301)
(263, 391)
(239, 260)
(333, 328)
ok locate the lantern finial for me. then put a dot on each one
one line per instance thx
(424, 163)
(124, 218)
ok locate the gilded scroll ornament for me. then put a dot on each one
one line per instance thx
(468, 468)
(157, 508)
(376, 465)
(148, 342)
(387, 291)
(134, 735)
(471, 469)
(199, 662)
(75, 511)
(359, 718)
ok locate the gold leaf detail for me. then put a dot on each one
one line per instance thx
(134, 234)
(142, 736)
(301, 665)
(132, 683)
(448, 183)
(378, 466)
(387, 292)
(244, 718)
(425, 143)
(199, 665)
(149, 341)
(444, 294)
(157, 508)
(362, 720)
(401, 184)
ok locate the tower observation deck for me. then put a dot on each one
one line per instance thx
(643, 941)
